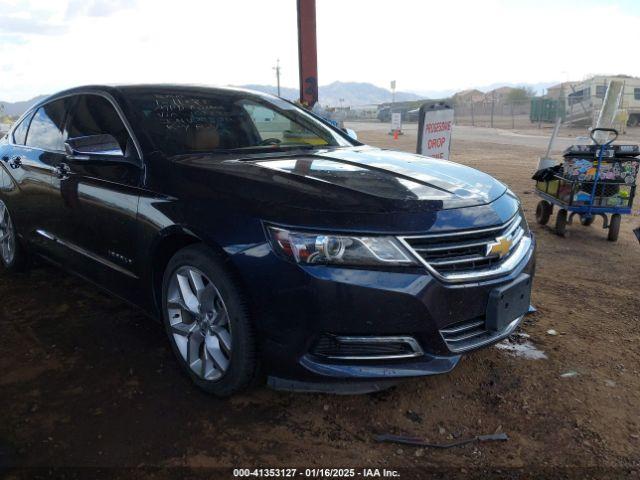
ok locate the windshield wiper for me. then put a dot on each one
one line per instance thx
(257, 149)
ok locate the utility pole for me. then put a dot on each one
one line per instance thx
(277, 69)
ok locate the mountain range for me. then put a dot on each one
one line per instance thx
(539, 89)
(333, 94)
(15, 109)
(342, 93)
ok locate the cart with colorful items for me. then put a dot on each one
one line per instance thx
(593, 180)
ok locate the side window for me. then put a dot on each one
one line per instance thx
(47, 126)
(20, 132)
(636, 93)
(94, 115)
(272, 125)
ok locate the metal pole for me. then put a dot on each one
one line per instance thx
(393, 95)
(609, 108)
(493, 103)
(540, 112)
(473, 120)
(307, 52)
(563, 103)
(556, 128)
(277, 69)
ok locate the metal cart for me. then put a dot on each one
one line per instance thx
(597, 180)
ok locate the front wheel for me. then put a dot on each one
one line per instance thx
(543, 212)
(614, 227)
(561, 222)
(207, 321)
(12, 254)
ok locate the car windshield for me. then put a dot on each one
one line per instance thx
(185, 122)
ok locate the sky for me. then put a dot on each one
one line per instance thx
(425, 45)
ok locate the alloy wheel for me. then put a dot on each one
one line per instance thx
(7, 235)
(199, 323)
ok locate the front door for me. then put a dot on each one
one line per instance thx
(99, 199)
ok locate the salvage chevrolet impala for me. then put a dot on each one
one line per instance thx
(270, 244)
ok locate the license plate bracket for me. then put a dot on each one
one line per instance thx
(508, 302)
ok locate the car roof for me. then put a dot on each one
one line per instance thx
(138, 88)
(151, 88)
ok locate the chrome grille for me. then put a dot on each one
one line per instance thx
(467, 255)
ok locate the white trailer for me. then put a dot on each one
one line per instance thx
(583, 100)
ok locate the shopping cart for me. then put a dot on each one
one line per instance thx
(594, 180)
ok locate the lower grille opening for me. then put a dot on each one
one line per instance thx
(366, 348)
(471, 334)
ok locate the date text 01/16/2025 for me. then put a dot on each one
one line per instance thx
(315, 473)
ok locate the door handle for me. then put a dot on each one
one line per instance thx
(15, 162)
(63, 171)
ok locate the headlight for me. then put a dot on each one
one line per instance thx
(319, 249)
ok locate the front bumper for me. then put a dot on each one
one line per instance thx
(301, 304)
(427, 364)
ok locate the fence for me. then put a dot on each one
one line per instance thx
(497, 114)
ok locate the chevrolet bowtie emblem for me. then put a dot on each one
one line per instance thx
(501, 247)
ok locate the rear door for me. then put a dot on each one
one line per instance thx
(38, 147)
(100, 198)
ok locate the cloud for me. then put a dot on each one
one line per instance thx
(22, 18)
(237, 42)
(98, 8)
(12, 39)
(28, 26)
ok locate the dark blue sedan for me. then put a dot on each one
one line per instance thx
(268, 242)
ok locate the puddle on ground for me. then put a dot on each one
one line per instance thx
(518, 345)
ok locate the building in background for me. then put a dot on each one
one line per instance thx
(583, 100)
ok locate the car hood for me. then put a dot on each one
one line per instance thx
(395, 175)
(364, 175)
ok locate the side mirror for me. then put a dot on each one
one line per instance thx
(80, 148)
(351, 133)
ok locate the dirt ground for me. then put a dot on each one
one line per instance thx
(88, 382)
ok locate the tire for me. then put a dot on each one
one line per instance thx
(207, 321)
(561, 222)
(587, 222)
(543, 212)
(614, 227)
(12, 254)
